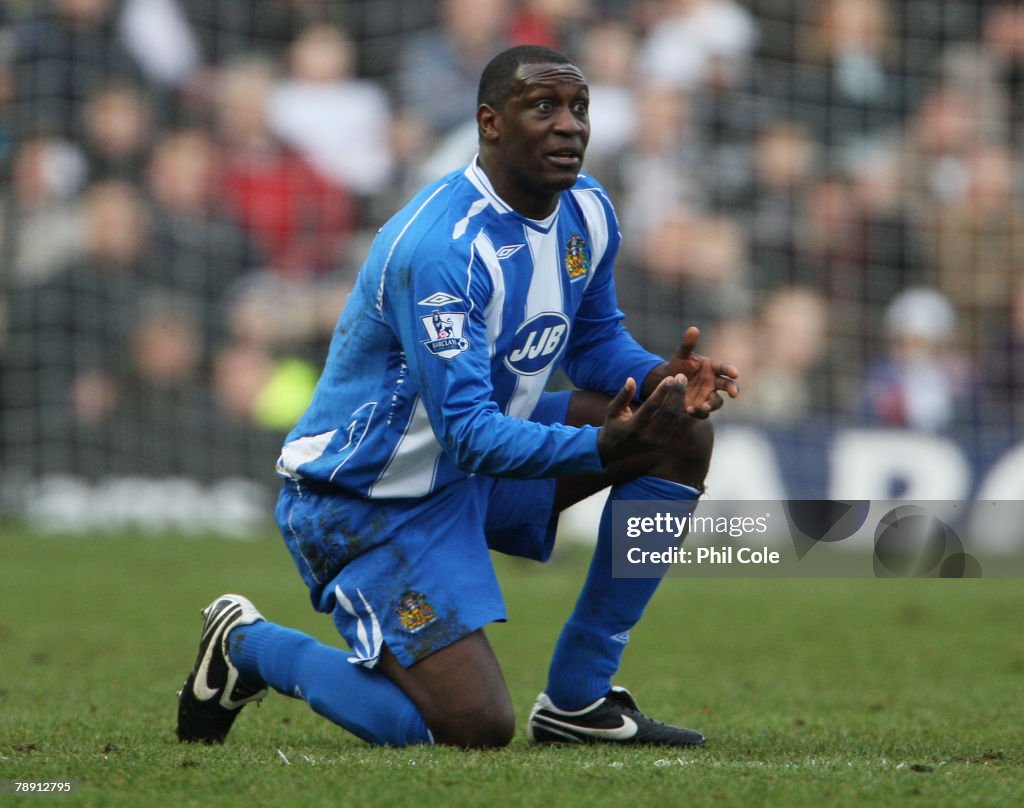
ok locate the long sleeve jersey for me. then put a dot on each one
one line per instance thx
(461, 313)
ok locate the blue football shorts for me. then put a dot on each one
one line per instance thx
(415, 575)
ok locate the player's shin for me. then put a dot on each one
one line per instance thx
(362, 701)
(590, 646)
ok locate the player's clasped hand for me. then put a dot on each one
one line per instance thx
(706, 378)
(691, 387)
(652, 425)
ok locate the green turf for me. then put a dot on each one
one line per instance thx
(852, 692)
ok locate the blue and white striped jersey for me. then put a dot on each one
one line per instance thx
(459, 316)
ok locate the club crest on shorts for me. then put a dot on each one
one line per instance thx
(576, 260)
(444, 329)
(414, 613)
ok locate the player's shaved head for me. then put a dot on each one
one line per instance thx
(501, 74)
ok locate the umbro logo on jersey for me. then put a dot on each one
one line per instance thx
(508, 251)
(440, 299)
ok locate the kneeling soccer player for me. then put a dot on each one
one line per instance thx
(431, 440)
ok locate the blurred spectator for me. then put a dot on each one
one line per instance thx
(792, 348)
(928, 28)
(1003, 40)
(695, 41)
(558, 24)
(256, 389)
(847, 87)
(832, 261)
(783, 355)
(893, 251)
(693, 271)
(340, 123)
(781, 25)
(436, 132)
(830, 252)
(231, 30)
(71, 331)
(263, 377)
(607, 55)
(226, 28)
(660, 169)
(257, 398)
(439, 70)
(160, 382)
(8, 38)
(117, 132)
(729, 114)
(738, 339)
(198, 248)
(704, 48)
(166, 414)
(164, 345)
(785, 158)
(1003, 370)
(286, 316)
(977, 242)
(301, 220)
(160, 39)
(240, 374)
(377, 25)
(46, 226)
(853, 244)
(922, 382)
(949, 124)
(857, 245)
(64, 51)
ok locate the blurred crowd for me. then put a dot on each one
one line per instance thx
(831, 190)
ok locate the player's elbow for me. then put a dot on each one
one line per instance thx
(467, 445)
(465, 455)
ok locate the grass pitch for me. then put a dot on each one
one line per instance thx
(844, 692)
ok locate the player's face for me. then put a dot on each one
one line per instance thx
(541, 134)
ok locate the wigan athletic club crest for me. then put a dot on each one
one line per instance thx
(414, 613)
(444, 329)
(576, 261)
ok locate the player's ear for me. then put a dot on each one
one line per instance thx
(487, 122)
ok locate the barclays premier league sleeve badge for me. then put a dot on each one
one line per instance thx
(444, 329)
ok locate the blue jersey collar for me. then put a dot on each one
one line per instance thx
(475, 174)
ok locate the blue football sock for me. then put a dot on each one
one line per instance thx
(591, 643)
(364, 702)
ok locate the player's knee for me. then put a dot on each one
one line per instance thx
(687, 460)
(490, 729)
(702, 441)
(482, 733)
(492, 732)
